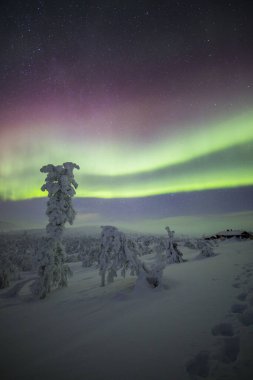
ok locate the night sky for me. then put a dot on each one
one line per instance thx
(153, 99)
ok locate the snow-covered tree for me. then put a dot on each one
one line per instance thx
(206, 250)
(115, 255)
(8, 271)
(201, 243)
(172, 252)
(190, 244)
(119, 253)
(89, 251)
(61, 185)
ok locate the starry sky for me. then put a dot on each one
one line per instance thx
(153, 99)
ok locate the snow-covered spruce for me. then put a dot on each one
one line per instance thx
(118, 253)
(115, 255)
(172, 252)
(61, 185)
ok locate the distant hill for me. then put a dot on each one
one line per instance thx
(95, 230)
(8, 226)
(82, 230)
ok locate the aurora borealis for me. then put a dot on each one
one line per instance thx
(148, 97)
(195, 159)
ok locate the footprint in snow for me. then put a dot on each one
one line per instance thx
(230, 349)
(242, 296)
(224, 329)
(238, 308)
(246, 318)
(199, 365)
(251, 301)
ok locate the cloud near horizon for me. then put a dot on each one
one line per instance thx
(188, 213)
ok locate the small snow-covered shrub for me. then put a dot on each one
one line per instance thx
(20, 248)
(82, 248)
(206, 249)
(201, 243)
(150, 276)
(144, 244)
(8, 271)
(190, 244)
(90, 255)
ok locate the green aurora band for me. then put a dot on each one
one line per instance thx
(192, 159)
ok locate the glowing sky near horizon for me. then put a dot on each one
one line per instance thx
(199, 158)
(145, 99)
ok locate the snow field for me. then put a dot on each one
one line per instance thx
(117, 333)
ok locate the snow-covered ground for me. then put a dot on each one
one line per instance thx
(192, 327)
